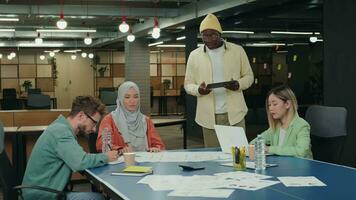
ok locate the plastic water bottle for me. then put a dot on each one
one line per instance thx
(260, 156)
(106, 140)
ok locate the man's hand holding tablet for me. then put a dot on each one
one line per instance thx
(231, 85)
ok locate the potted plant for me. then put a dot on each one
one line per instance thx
(27, 84)
(102, 70)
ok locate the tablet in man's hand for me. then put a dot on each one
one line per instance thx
(220, 84)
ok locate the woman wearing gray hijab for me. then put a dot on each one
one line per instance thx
(130, 129)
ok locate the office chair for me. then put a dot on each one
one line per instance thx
(33, 91)
(38, 101)
(328, 132)
(108, 97)
(9, 179)
(9, 99)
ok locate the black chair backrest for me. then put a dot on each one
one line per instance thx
(328, 131)
(108, 97)
(34, 91)
(38, 101)
(9, 100)
(111, 108)
(8, 175)
(9, 93)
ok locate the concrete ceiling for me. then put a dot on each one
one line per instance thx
(260, 16)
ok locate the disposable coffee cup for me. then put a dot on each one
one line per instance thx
(251, 151)
(129, 158)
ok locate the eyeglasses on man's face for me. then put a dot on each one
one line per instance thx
(93, 120)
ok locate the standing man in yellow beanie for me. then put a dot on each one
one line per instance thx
(217, 61)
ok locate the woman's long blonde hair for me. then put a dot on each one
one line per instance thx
(284, 93)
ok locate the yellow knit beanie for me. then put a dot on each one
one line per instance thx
(210, 22)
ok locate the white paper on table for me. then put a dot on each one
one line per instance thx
(185, 156)
(300, 181)
(249, 184)
(120, 159)
(213, 193)
(162, 182)
(240, 175)
(231, 136)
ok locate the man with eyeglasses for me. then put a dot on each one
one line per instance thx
(57, 153)
(217, 61)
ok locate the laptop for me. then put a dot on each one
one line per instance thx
(231, 136)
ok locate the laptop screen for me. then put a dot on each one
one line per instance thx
(231, 136)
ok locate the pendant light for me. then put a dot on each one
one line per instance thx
(38, 39)
(130, 37)
(124, 27)
(88, 40)
(61, 23)
(156, 30)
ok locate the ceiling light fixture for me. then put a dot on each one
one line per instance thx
(67, 30)
(242, 32)
(130, 37)
(156, 32)
(52, 54)
(84, 55)
(30, 44)
(7, 30)
(61, 23)
(9, 57)
(72, 51)
(154, 44)
(3, 19)
(91, 55)
(0, 55)
(42, 57)
(13, 54)
(313, 39)
(180, 38)
(73, 56)
(171, 45)
(292, 33)
(38, 39)
(88, 40)
(264, 44)
(124, 27)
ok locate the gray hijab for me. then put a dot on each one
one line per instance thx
(132, 125)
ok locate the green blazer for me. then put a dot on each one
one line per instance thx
(296, 142)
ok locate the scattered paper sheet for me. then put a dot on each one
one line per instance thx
(182, 156)
(213, 193)
(300, 181)
(249, 184)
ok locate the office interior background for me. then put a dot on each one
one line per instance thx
(307, 44)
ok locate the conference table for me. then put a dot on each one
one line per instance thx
(340, 180)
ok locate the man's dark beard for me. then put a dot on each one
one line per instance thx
(81, 131)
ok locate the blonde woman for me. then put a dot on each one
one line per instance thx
(288, 134)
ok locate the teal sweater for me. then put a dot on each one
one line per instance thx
(55, 155)
(296, 142)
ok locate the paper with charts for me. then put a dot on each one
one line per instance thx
(300, 181)
(186, 156)
(219, 185)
